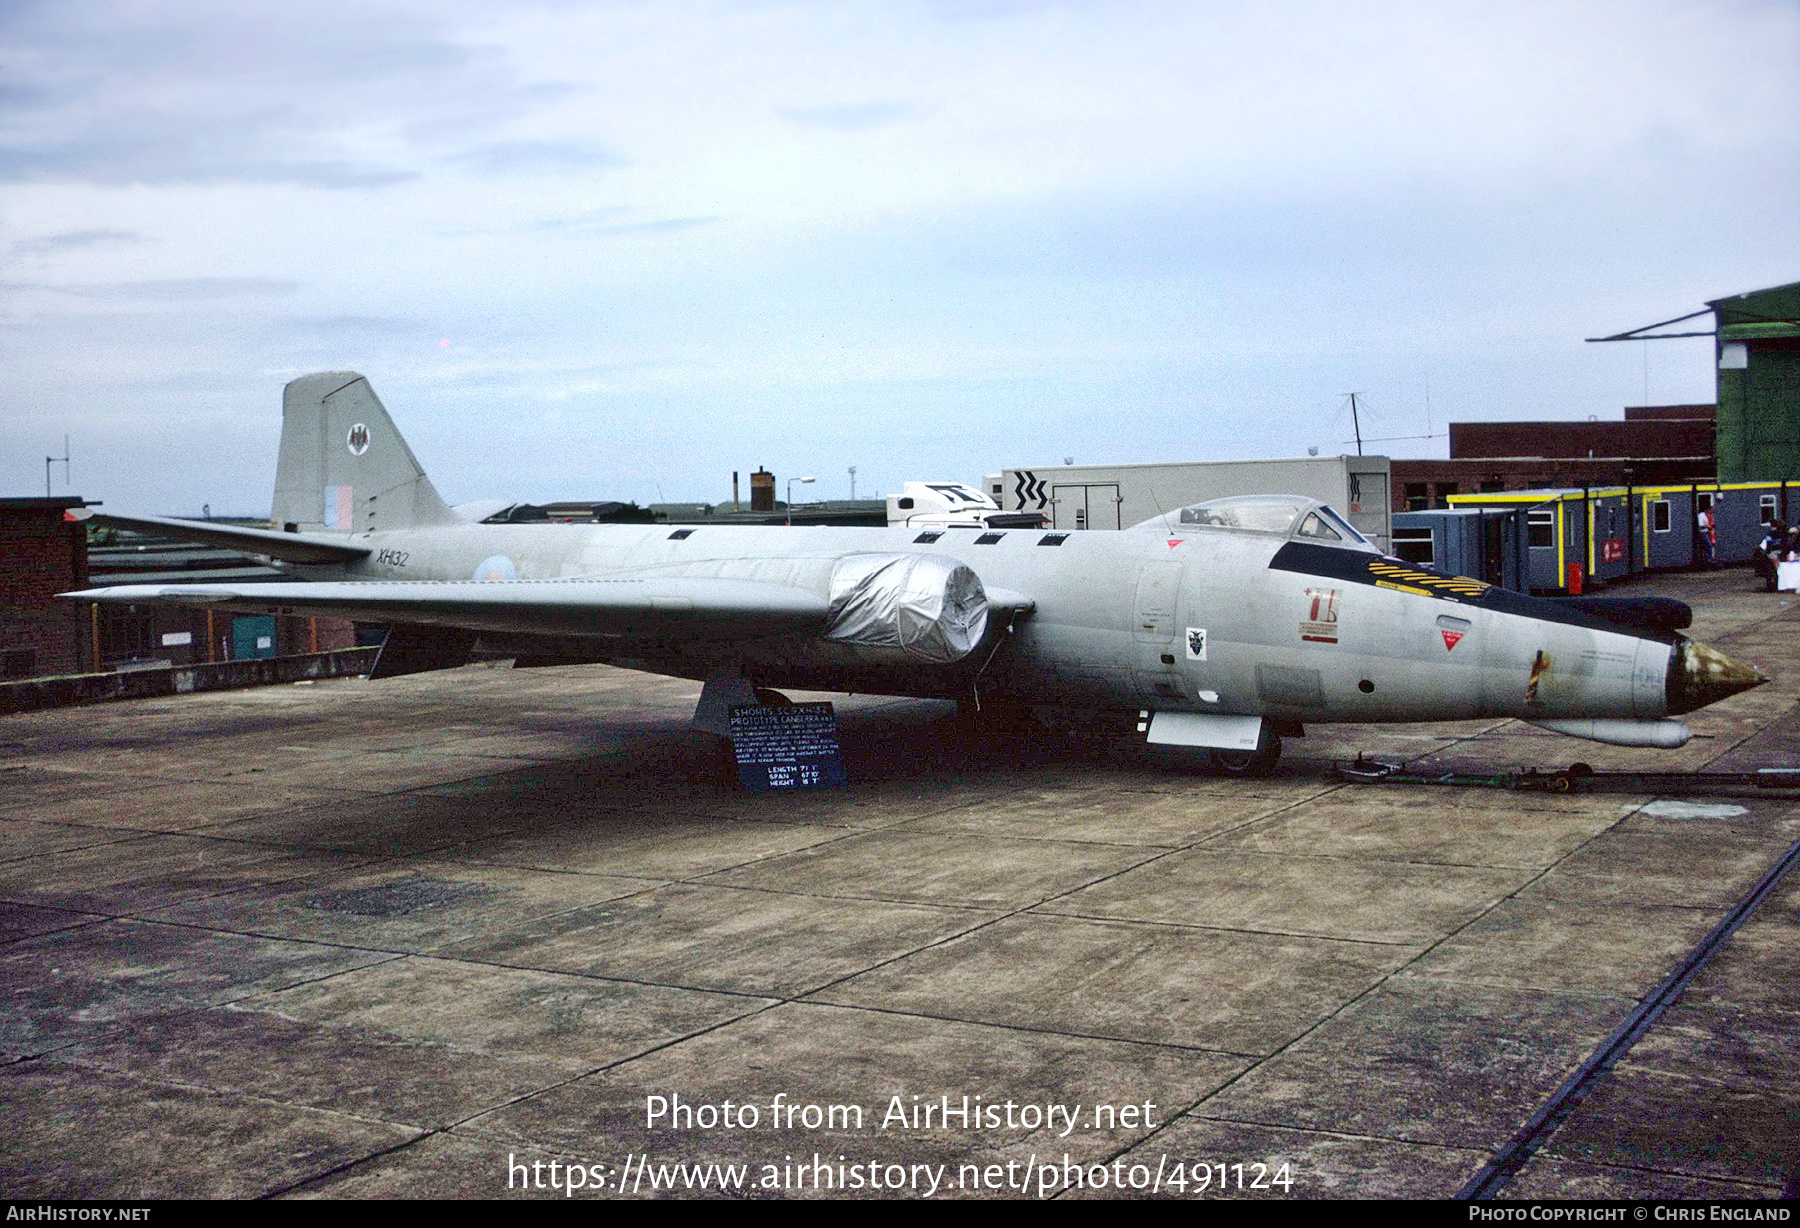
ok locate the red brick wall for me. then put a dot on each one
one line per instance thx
(41, 555)
(1642, 437)
(1469, 476)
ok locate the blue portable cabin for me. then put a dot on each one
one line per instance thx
(1553, 532)
(1483, 543)
(1607, 517)
(1666, 526)
(1616, 531)
(1669, 519)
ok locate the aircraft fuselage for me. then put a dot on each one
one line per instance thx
(1179, 619)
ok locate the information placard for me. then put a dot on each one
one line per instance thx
(794, 747)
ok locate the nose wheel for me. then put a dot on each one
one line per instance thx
(1248, 764)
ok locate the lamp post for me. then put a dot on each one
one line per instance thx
(790, 498)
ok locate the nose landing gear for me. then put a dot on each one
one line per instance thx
(1249, 764)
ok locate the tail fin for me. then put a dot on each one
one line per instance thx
(343, 466)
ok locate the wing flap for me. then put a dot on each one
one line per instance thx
(723, 609)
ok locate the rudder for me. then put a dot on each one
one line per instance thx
(343, 467)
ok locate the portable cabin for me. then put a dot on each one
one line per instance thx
(1554, 532)
(1575, 538)
(1482, 543)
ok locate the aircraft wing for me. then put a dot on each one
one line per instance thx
(293, 547)
(631, 608)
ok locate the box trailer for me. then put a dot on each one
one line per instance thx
(1119, 496)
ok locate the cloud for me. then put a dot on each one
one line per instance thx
(654, 227)
(336, 328)
(173, 290)
(857, 118)
(160, 159)
(595, 222)
(74, 240)
(506, 158)
(1137, 230)
(335, 96)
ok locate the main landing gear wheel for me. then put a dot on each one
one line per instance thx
(1246, 764)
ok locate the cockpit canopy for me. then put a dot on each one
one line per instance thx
(1281, 515)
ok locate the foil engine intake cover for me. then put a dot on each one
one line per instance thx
(926, 607)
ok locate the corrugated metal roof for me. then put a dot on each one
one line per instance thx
(1774, 312)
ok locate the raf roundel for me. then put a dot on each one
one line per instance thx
(499, 567)
(358, 439)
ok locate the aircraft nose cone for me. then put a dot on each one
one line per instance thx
(1699, 675)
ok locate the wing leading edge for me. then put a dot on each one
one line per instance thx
(629, 608)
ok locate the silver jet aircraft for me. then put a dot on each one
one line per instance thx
(1220, 626)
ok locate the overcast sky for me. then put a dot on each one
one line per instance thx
(619, 250)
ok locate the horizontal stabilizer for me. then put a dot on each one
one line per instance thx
(291, 547)
(664, 606)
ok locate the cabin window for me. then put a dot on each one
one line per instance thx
(1765, 509)
(925, 539)
(1540, 529)
(1053, 539)
(1659, 516)
(681, 535)
(906, 504)
(988, 539)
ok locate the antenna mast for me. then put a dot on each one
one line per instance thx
(49, 460)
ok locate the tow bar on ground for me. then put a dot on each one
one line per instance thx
(1574, 778)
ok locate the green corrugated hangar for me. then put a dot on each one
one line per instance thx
(1759, 385)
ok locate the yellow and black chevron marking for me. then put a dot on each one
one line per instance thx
(1431, 581)
(1358, 567)
(1381, 571)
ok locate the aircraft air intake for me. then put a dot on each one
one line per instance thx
(926, 607)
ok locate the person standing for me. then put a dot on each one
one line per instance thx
(1769, 551)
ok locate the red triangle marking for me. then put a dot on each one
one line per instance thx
(1174, 542)
(1450, 639)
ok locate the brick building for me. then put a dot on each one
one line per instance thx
(42, 553)
(1652, 445)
